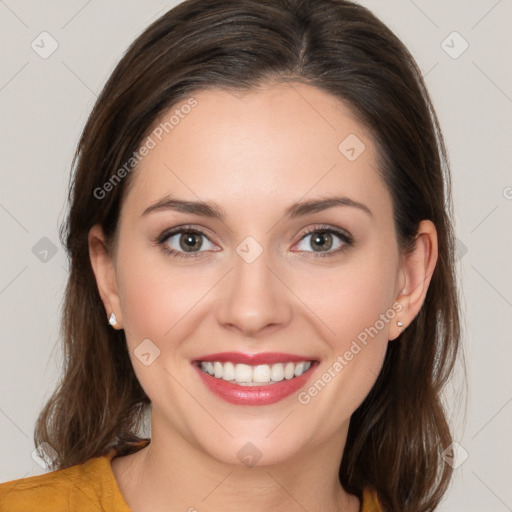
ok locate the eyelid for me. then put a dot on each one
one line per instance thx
(344, 235)
(186, 228)
(179, 229)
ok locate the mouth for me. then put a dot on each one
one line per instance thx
(254, 379)
(247, 375)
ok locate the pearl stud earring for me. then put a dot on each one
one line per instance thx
(112, 320)
(400, 324)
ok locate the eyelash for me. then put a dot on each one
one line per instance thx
(341, 234)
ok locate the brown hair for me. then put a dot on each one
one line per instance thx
(397, 435)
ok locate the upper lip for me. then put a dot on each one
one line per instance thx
(254, 359)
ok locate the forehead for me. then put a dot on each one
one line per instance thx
(272, 145)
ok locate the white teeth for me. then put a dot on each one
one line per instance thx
(289, 371)
(245, 374)
(277, 372)
(228, 371)
(217, 368)
(261, 373)
(299, 369)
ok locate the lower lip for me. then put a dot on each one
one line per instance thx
(254, 395)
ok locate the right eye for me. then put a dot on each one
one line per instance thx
(185, 242)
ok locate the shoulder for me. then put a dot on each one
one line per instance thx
(370, 501)
(85, 487)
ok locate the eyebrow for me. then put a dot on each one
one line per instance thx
(210, 209)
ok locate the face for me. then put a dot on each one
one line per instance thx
(262, 286)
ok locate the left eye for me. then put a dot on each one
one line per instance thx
(323, 240)
(188, 241)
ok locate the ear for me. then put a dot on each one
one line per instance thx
(102, 263)
(417, 269)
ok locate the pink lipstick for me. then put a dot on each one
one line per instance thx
(254, 379)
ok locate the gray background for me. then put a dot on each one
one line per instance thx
(44, 104)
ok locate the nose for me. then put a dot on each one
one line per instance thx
(254, 299)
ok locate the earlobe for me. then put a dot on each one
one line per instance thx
(102, 263)
(417, 266)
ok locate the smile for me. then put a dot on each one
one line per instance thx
(246, 375)
(254, 379)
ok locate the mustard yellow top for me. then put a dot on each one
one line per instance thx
(88, 487)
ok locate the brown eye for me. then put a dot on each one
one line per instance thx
(186, 241)
(190, 242)
(321, 240)
(324, 240)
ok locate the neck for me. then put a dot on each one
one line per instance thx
(173, 474)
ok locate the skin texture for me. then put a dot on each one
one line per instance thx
(254, 155)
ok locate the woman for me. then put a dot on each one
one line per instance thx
(261, 251)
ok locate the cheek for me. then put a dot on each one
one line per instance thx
(154, 296)
(151, 306)
(353, 298)
(354, 305)
(155, 301)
